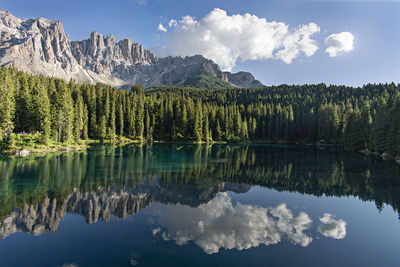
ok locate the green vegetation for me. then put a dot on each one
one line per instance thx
(68, 113)
(208, 81)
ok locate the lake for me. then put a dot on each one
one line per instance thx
(200, 205)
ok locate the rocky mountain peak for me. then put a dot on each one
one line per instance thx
(40, 46)
(8, 20)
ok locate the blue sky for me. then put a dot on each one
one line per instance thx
(375, 25)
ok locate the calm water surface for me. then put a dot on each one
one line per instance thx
(187, 205)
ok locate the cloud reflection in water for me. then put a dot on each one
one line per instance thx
(332, 228)
(221, 224)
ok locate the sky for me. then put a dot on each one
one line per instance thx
(280, 42)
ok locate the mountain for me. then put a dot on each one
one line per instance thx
(40, 46)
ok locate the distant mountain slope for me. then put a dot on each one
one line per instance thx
(40, 46)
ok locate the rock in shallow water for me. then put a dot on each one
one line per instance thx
(22, 153)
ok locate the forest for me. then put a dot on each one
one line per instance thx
(54, 111)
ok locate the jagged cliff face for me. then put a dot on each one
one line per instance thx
(107, 58)
(46, 216)
(40, 46)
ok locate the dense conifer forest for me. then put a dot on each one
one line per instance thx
(55, 111)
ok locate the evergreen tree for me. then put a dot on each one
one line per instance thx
(206, 130)
(120, 120)
(198, 127)
(7, 107)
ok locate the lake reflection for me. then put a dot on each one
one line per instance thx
(222, 224)
(234, 202)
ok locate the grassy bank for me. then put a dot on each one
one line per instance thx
(31, 143)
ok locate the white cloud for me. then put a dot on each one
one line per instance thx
(332, 228)
(298, 41)
(227, 39)
(172, 23)
(339, 42)
(221, 224)
(141, 2)
(161, 28)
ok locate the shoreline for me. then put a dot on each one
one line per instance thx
(43, 150)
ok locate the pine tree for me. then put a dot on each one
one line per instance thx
(198, 128)
(131, 112)
(78, 118)
(120, 119)
(184, 121)
(366, 121)
(7, 106)
(206, 131)
(113, 127)
(42, 103)
(244, 133)
(103, 128)
(380, 129)
(147, 121)
(218, 131)
(237, 123)
(64, 112)
(140, 117)
(85, 128)
(22, 99)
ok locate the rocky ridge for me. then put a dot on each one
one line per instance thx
(40, 46)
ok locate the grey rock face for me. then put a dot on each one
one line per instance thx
(107, 58)
(37, 46)
(40, 46)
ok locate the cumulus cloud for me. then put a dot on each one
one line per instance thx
(161, 28)
(220, 224)
(339, 42)
(331, 227)
(227, 39)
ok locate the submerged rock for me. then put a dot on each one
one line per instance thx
(22, 153)
(398, 161)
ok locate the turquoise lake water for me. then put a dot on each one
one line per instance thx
(199, 205)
